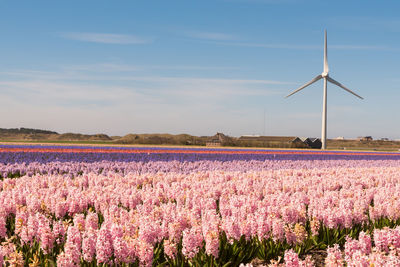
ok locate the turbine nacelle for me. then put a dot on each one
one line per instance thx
(324, 75)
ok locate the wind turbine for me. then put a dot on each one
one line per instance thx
(326, 77)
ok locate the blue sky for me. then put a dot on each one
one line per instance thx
(199, 67)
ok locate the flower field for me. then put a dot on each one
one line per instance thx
(89, 206)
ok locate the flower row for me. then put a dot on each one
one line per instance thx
(44, 154)
(107, 167)
(188, 214)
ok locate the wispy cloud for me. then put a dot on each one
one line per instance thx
(215, 36)
(92, 85)
(191, 82)
(263, 45)
(115, 72)
(103, 67)
(93, 71)
(305, 47)
(105, 90)
(115, 67)
(195, 80)
(106, 38)
(67, 99)
(360, 47)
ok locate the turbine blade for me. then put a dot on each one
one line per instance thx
(326, 67)
(304, 86)
(342, 86)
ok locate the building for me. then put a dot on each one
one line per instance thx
(298, 143)
(219, 140)
(315, 143)
(311, 142)
(213, 143)
(364, 138)
(270, 141)
(281, 141)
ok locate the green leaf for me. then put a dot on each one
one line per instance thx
(165, 263)
(227, 264)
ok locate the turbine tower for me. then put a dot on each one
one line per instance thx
(326, 77)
